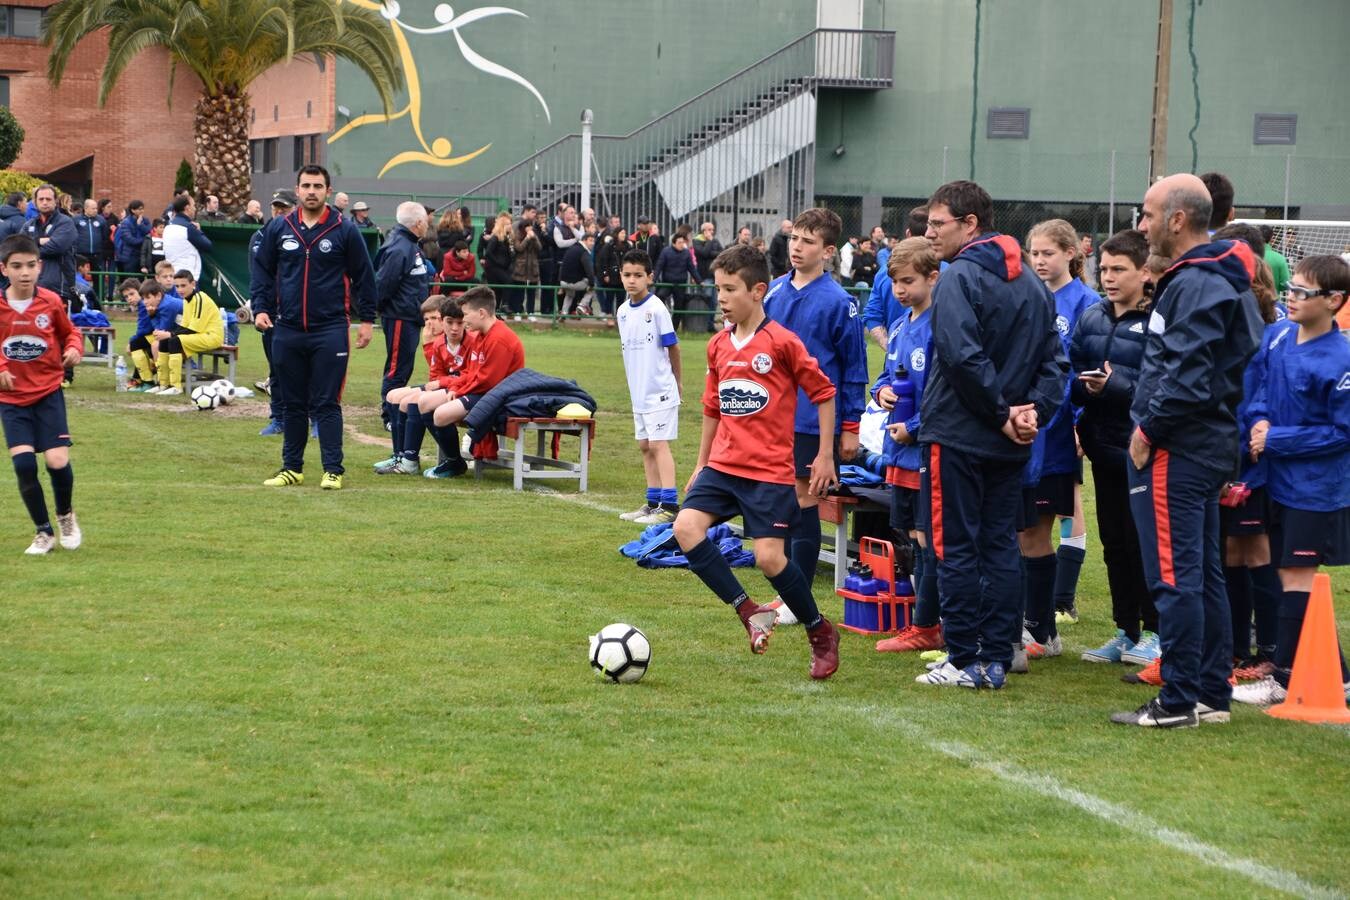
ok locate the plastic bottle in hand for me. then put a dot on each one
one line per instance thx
(904, 407)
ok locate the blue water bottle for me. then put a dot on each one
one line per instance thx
(851, 580)
(868, 586)
(904, 407)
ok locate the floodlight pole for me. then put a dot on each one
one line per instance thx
(587, 119)
(1162, 81)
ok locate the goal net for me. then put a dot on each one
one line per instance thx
(1299, 238)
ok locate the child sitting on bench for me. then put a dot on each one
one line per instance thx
(445, 348)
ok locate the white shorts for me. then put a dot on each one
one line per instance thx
(657, 425)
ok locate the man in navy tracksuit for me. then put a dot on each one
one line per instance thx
(402, 282)
(1204, 327)
(283, 201)
(998, 375)
(306, 264)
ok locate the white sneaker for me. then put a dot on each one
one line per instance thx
(1211, 716)
(42, 544)
(385, 465)
(1266, 692)
(658, 516)
(169, 391)
(948, 675)
(154, 390)
(782, 613)
(406, 466)
(70, 531)
(643, 510)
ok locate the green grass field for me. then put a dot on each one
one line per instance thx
(236, 690)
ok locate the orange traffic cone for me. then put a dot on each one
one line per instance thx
(1315, 690)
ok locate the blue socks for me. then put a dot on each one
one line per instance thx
(63, 486)
(396, 419)
(30, 489)
(1040, 581)
(805, 551)
(795, 592)
(708, 564)
(667, 498)
(414, 429)
(653, 497)
(1069, 564)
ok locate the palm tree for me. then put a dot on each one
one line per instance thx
(226, 44)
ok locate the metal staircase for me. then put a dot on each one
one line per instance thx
(744, 146)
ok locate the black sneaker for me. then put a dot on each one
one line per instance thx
(1154, 715)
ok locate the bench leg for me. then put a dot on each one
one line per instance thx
(518, 462)
(841, 548)
(585, 459)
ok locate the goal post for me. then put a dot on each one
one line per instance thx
(1297, 238)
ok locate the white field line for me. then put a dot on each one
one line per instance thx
(578, 499)
(1108, 811)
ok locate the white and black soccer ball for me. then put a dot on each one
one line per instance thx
(620, 653)
(224, 390)
(204, 396)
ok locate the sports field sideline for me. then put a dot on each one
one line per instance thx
(237, 690)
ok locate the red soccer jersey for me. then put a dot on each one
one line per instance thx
(753, 390)
(492, 356)
(31, 346)
(445, 364)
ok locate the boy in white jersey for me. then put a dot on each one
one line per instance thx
(651, 360)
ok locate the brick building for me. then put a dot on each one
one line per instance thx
(129, 148)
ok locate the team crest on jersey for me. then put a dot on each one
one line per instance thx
(325, 245)
(761, 363)
(290, 244)
(917, 360)
(741, 397)
(852, 310)
(647, 318)
(42, 320)
(1345, 383)
(1062, 324)
(23, 348)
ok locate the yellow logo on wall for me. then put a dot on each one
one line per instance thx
(438, 152)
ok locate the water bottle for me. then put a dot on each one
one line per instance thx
(867, 585)
(121, 372)
(903, 410)
(851, 580)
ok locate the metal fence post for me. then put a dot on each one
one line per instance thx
(1288, 164)
(1111, 203)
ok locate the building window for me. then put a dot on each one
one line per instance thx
(21, 22)
(1009, 122)
(4, 90)
(1275, 128)
(309, 109)
(271, 154)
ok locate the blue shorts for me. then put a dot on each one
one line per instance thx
(1054, 494)
(40, 425)
(469, 400)
(1301, 538)
(907, 512)
(768, 510)
(1252, 517)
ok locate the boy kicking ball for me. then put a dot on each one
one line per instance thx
(37, 344)
(745, 464)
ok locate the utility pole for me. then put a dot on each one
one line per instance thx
(1162, 80)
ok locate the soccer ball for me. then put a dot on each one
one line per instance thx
(224, 390)
(204, 396)
(620, 653)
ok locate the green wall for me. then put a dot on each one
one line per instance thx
(629, 61)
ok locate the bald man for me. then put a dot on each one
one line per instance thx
(1202, 331)
(402, 282)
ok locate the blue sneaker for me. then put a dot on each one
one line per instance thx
(995, 674)
(450, 469)
(272, 430)
(1148, 650)
(1111, 651)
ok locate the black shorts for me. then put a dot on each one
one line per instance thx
(804, 449)
(1301, 538)
(1054, 494)
(40, 425)
(1026, 509)
(768, 510)
(469, 400)
(904, 509)
(1252, 517)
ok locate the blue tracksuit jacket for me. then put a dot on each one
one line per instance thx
(825, 318)
(910, 346)
(300, 275)
(1303, 391)
(1061, 456)
(1203, 330)
(402, 276)
(994, 347)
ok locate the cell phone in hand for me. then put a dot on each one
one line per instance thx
(1094, 373)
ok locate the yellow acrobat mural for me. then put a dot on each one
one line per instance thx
(437, 153)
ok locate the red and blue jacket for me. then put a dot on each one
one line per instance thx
(825, 318)
(995, 346)
(1203, 330)
(300, 275)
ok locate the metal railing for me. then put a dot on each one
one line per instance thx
(741, 152)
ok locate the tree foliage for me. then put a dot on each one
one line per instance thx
(11, 137)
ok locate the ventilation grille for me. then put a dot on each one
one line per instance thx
(1009, 122)
(1274, 128)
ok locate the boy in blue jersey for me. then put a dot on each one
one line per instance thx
(812, 305)
(912, 270)
(1301, 416)
(161, 312)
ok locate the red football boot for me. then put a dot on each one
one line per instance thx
(913, 637)
(824, 640)
(758, 621)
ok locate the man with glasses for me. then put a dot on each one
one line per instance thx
(998, 375)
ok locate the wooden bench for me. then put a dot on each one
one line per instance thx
(109, 335)
(541, 465)
(227, 354)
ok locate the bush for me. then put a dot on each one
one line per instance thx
(183, 181)
(12, 180)
(11, 137)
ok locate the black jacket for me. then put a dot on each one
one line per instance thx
(609, 263)
(11, 220)
(1104, 425)
(402, 277)
(577, 265)
(311, 278)
(91, 237)
(497, 259)
(1204, 328)
(58, 254)
(676, 267)
(995, 346)
(706, 252)
(524, 393)
(778, 254)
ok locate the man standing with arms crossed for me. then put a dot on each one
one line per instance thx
(305, 265)
(1203, 329)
